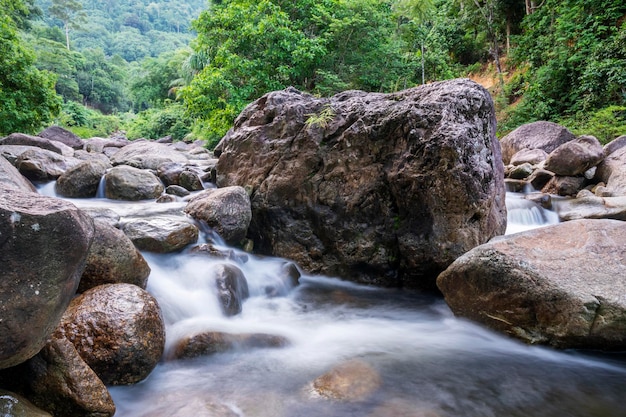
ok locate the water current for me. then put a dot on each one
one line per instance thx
(430, 363)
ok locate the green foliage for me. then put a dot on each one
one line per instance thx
(157, 123)
(85, 122)
(577, 53)
(605, 124)
(322, 118)
(253, 47)
(27, 96)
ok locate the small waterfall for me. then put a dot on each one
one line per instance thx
(101, 184)
(524, 214)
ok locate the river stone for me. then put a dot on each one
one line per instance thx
(36, 141)
(612, 171)
(564, 186)
(97, 145)
(112, 259)
(530, 156)
(128, 183)
(161, 234)
(60, 382)
(118, 331)
(176, 190)
(354, 380)
(82, 180)
(575, 157)
(43, 247)
(14, 405)
(561, 285)
(10, 178)
(592, 207)
(226, 210)
(521, 171)
(209, 343)
(43, 165)
(190, 180)
(614, 145)
(147, 155)
(546, 136)
(232, 288)
(58, 134)
(386, 189)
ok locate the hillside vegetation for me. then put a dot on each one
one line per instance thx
(187, 68)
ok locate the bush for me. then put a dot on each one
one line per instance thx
(86, 122)
(157, 123)
(605, 124)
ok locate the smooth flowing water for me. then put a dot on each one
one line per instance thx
(429, 362)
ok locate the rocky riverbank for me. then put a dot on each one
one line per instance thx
(404, 189)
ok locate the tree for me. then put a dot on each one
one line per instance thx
(249, 48)
(27, 96)
(70, 13)
(419, 11)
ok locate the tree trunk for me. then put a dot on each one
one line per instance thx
(423, 65)
(67, 36)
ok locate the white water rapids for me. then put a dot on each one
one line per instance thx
(431, 364)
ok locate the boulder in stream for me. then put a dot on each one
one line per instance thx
(112, 259)
(124, 182)
(147, 155)
(58, 134)
(44, 244)
(117, 330)
(353, 380)
(546, 136)
(226, 210)
(161, 234)
(10, 178)
(561, 285)
(208, 343)
(82, 180)
(232, 288)
(385, 189)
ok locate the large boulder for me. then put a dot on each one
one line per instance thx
(226, 210)
(43, 165)
(82, 180)
(147, 155)
(128, 183)
(161, 234)
(36, 141)
(208, 343)
(59, 381)
(379, 188)
(113, 259)
(58, 134)
(536, 135)
(10, 178)
(612, 170)
(43, 247)
(561, 285)
(575, 157)
(232, 288)
(117, 330)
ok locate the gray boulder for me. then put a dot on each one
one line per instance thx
(528, 156)
(128, 183)
(82, 180)
(575, 157)
(537, 135)
(208, 343)
(161, 234)
(147, 155)
(43, 248)
(36, 141)
(612, 170)
(43, 165)
(113, 259)
(58, 134)
(386, 189)
(560, 285)
(126, 322)
(232, 288)
(60, 382)
(10, 178)
(226, 210)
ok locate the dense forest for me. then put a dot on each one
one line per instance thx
(187, 68)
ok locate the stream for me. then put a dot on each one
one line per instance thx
(430, 363)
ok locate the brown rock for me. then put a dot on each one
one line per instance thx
(43, 247)
(351, 381)
(564, 186)
(118, 331)
(81, 180)
(226, 210)
(575, 157)
(161, 234)
(209, 343)
(546, 136)
(147, 155)
(10, 178)
(18, 406)
(128, 183)
(560, 285)
(388, 190)
(232, 288)
(113, 259)
(58, 134)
